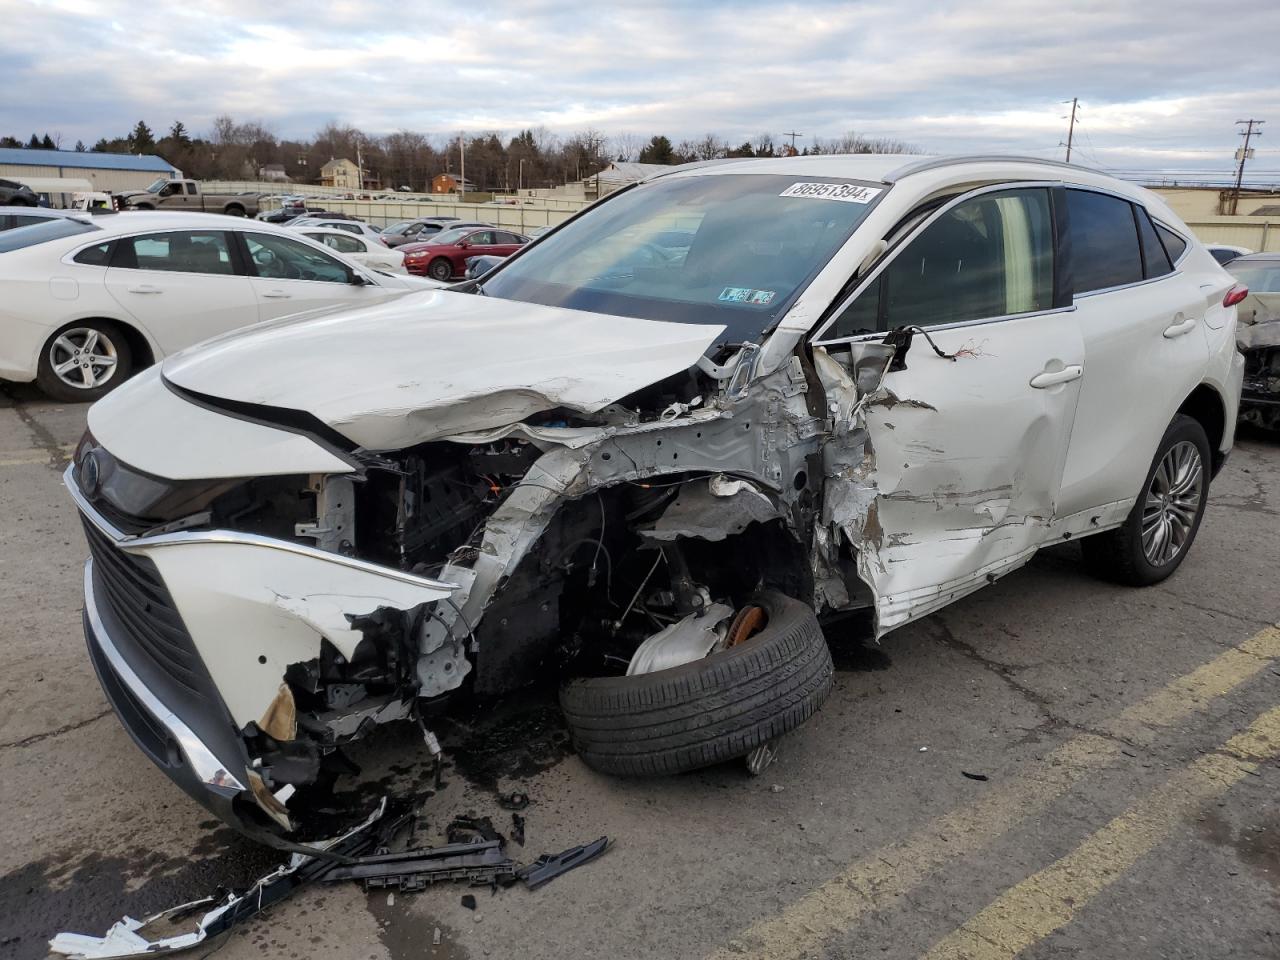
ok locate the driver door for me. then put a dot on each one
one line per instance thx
(290, 277)
(956, 477)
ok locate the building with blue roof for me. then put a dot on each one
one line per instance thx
(110, 172)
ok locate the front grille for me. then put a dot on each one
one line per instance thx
(131, 588)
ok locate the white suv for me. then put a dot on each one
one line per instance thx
(650, 467)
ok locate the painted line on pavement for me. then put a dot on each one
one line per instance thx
(1047, 901)
(877, 879)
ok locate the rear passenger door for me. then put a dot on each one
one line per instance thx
(966, 453)
(1141, 319)
(181, 285)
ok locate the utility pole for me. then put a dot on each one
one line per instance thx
(1243, 154)
(462, 162)
(1071, 127)
(793, 136)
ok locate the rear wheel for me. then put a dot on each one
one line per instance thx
(84, 361)
(1163, 523)
(234, 211)
(440, 269)
(775, 673)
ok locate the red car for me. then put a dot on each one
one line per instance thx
(444, 256)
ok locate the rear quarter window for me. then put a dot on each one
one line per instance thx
(1174, 245)
(1104, 241)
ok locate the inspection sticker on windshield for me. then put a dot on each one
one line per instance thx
(746, 295)
(846, 192)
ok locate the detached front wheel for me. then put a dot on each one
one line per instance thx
(1163, 523)
(708, 711)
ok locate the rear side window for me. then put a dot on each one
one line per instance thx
(1174, 245)
(42, 232)
(1155, 262)
(95, 256)
(991, 256)
(1104, 241)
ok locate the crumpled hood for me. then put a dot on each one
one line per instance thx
(1258, 321)
(432, 364)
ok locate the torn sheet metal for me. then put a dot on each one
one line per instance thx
(713, 510)
(439, 363)
(252, 611)
(930, 510)
(688, 639)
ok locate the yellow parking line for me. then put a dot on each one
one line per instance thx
(1048, 900)
(874, 881)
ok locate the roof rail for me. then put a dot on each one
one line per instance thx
(933, 163)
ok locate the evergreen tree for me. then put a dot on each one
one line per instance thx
(178, 133)
(79, 146)
(658, 150)
(33, 143)
(47, 143)
(141, 140)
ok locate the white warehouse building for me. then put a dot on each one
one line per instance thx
(59, 173)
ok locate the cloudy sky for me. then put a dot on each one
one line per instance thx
(1160, 84)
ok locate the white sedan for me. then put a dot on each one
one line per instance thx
(356, 227)
(370, 251)
(90, 300)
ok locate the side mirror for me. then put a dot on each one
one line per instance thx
(356, 279)
(463, 244)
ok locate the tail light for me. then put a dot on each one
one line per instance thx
(1235, 295)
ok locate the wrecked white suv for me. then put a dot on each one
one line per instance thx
(646, 454)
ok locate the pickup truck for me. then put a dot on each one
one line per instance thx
(166, 194)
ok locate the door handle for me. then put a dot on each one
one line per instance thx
(145, 288)
(1052, 378)
(1179, 328)
(276, 295)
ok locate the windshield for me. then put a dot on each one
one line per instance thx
(1260, 276)
(731, 249)
(157, 186)
(450, 236)
(397, 228)
(42, 233)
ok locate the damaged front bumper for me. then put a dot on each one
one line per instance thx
(159, 640)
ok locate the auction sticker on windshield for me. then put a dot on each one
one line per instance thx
(847, 192)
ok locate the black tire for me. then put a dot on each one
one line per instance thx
(440, 269)
(708, 711)
(1118, 555)
(54, 386)
(234, 210)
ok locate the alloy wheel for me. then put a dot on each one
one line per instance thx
(1172, 502)
(83, 358)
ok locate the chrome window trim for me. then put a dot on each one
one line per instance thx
(127, 541)
(203, 763)
(907, 239)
